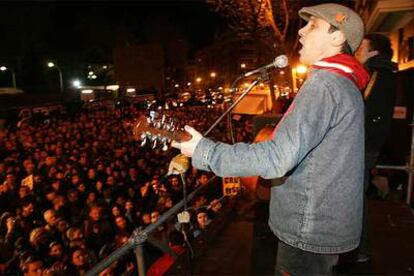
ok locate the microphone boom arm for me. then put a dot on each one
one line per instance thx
(245, 92)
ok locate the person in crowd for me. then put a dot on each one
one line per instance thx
(62, 226)
(27, 215)
(146, 219)
(21, 252)
(375, 53)
(202, 221)
(175, 188)
(123, 230)
(39, 241)
(9, 233)
(24, 192)
(91, 199)
(60, 207)
(79, 261)
(116, 210)
(318, 145)
(131, 213)
(96, 229)
(51, 220)
(8, 191)
(74, 233)
(214, 208)
(74, 205)
(49, 195)
(32, 266)
(200, 201)
(56, 253)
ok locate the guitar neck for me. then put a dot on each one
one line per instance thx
(180, 136)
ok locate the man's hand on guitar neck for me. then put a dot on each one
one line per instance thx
(187, 148)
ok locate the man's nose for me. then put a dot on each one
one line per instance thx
(300, 32)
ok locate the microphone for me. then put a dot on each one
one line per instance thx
(279, 62)
(178, 165)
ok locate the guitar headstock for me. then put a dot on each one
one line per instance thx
(157, 131)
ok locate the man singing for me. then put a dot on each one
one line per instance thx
(318, 145)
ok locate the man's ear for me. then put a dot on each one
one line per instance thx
(338, 38)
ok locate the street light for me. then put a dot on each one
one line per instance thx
(51, 65)
(77, 83)
(300, 69)
(4, 68)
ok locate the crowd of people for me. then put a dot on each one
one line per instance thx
(74, 188)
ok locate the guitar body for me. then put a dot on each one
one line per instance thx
(254, 184)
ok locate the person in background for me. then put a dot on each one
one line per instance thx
(375, 53)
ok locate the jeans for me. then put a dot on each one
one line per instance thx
(294, 261)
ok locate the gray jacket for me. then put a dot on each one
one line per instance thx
(319, 146)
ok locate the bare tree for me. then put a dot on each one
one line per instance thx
(274, 21)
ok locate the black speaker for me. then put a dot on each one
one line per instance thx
(261, 121)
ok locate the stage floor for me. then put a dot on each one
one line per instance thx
(247, 247)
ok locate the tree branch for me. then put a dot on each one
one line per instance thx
(286, 25)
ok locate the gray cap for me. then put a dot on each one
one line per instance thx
(343, 18)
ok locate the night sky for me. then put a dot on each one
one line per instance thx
(76, 33)
(68, 25)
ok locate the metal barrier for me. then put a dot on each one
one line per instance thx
(140, 236)
(409, 168)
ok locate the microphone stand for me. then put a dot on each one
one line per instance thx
(185, 228)
(264, 76)
(229, 123)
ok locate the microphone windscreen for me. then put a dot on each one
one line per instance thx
(281, 61)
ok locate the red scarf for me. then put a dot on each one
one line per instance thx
(347, 66)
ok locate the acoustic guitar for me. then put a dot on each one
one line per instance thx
(255, 184)
(160, 132)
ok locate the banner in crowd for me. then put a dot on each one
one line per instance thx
(231, 186)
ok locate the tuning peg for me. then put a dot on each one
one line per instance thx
(165, 126)
(154, 141)
(144, 141)
(165, 144)
(171, 127)
(153, 115)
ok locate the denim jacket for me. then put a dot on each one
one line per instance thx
(319, 146)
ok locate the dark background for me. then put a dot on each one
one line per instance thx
(78, 33)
